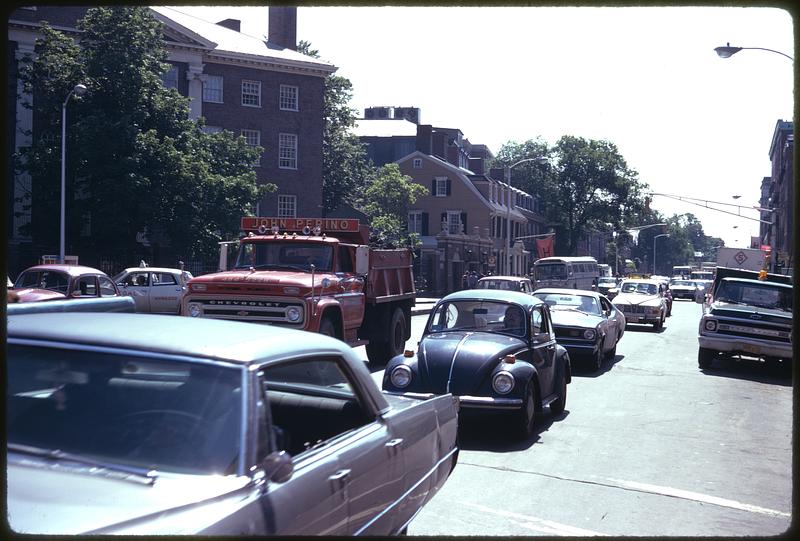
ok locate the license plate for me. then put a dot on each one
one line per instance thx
(749, 348)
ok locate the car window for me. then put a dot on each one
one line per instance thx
(106, 287)
(536, 321)
(87, 285)
(52, 280)
(311, 402)
(117, 409)
(164, 279)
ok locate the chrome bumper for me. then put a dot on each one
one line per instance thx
(753, 348)
(486, 402)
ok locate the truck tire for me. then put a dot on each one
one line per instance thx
(380, 353)
(705, 357)
(327, 327)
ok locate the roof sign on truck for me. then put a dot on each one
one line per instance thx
(328, 225)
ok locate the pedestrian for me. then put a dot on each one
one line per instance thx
(472, 280)
(465, 280)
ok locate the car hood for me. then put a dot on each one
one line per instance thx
(464, 359)
(636, 298)
(53, 499)
(754, 313)
(30, 294)
(265, 278)
(571, 318)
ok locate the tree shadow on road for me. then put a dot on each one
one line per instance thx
(757, 371)
(493, 432)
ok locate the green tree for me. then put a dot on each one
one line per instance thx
(386, 201)
(136, 163)
(345, 168)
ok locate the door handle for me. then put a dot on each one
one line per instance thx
(394, 445)
(339, 479)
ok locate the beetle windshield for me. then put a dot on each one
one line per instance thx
(161, 415)
(291, 255)
(476, 315)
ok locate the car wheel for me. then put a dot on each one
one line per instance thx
(611, 354)
(526, 416)
(659, 324)
(597, 358)
(705, 357)
(558, 405)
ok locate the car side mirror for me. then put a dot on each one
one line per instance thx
(278, 466)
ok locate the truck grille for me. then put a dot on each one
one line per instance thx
(253, 310)
(747, 329)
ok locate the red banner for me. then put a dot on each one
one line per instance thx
(545, 246)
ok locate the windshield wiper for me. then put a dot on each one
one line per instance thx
(149, 475)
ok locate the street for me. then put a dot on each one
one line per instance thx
(648, 446)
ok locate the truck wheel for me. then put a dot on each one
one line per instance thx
(380, 353)
(327, 328)
(705, 357)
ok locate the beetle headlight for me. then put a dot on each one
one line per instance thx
(293, 314)
(195, 309)
(711, 325)
(503, 382)
(400, 376)
(589, 334)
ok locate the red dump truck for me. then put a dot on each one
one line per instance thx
(314, 274)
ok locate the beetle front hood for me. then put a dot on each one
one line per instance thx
(636, 298)
(459, 362)
(50, 500)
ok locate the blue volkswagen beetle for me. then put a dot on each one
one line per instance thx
(496, 350)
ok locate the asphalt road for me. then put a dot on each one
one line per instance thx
(648, 446)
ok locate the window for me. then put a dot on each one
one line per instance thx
(251, 93)
(415, 222)
(164, 279)
(107, 287)
(288, 98)
(454, 221)
(253, 139)
(417, 163)
(287, 151)
(87, 285)
(170, 78)
(212, 89)
(287, 206)
(441, 187)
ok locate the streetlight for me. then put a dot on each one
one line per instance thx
(538, 159)
(728, 51)
(654, 249)
(78, 90)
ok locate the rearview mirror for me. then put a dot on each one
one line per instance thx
(278, 466)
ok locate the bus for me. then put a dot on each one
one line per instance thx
(567, 272)
(605, 269)
(682, 271)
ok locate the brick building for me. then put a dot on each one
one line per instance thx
(778, 196)
(262, 89)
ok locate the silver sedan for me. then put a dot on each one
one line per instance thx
(157, 290)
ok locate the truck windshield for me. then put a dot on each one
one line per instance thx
(290, 255)
(551, 271)
(763, 295)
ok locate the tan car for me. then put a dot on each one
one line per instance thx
(157, 290)
(642, 301)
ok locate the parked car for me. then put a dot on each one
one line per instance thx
(642, 301)
(608, 286)
(586, 323)
(57, 282)
(496, 350)
(161, 425)
(506, 283)
(154, 289)
(682, 289)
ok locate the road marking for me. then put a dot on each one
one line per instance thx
(696, 496)
(536, 524)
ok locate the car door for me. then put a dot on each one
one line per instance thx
(137, 285)
(348, 461)
(544, 347)
(165, 293)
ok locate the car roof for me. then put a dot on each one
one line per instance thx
(72, 270)
(502, 295)
(154, 269)
(643, 280)
(232, 341)
(509, 278)
(566, 291)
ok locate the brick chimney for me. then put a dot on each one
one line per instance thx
(283, 27)
(233, 24)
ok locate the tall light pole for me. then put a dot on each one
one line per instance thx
(727, 51)
(539, 159)
(78, 90)
(654, 249)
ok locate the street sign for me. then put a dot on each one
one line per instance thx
(740, 257)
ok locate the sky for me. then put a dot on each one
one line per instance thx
(646, 79)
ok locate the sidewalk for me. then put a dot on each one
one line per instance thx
(423, 306)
